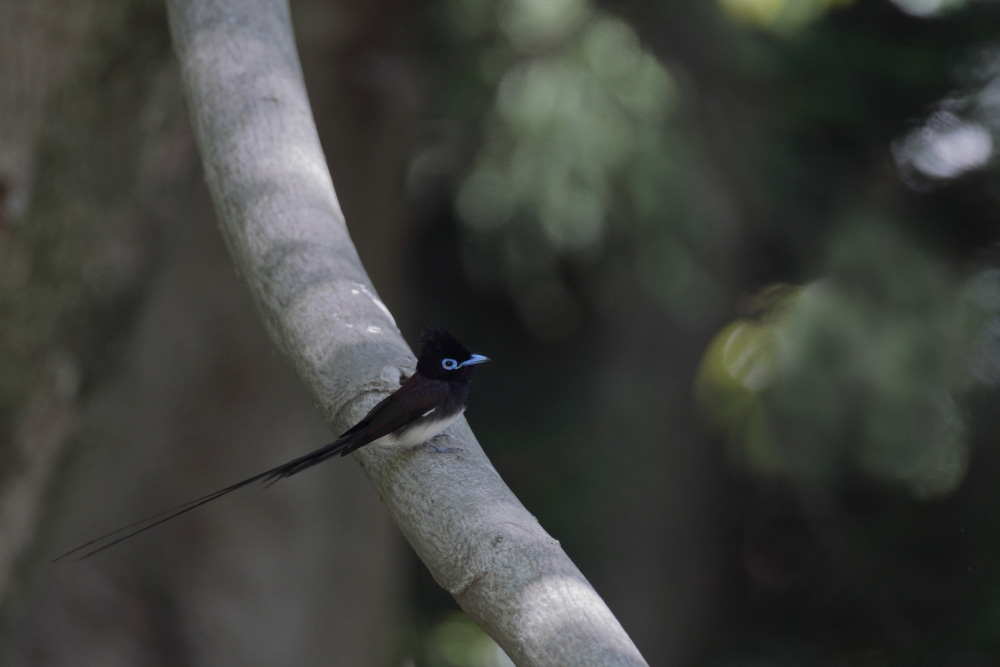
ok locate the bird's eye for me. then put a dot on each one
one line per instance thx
(449, 364)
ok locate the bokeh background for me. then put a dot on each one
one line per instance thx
(734, 261)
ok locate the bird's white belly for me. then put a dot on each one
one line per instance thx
(418, 433)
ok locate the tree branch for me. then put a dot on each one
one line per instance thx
(282, 222)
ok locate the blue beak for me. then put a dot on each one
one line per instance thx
(475, 359)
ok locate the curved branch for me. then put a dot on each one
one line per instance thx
(282, 222)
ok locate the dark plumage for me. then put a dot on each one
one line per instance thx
(424, 406)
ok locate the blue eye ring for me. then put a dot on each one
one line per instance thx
(449, 364)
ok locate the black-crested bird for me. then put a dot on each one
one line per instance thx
(427, 403)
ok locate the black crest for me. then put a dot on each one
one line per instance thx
(437, 344)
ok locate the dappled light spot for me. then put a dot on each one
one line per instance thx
(779, 15)
(564, 601)
(961, 135)
(945, 147)
(530, 22)
(928, 8)
(743, 355)
(359, 289)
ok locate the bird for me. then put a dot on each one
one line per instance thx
(426, 404)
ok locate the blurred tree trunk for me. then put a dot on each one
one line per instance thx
(134, 375)
(366, 93)
(666, 529)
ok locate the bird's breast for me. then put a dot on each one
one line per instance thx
(421, 430)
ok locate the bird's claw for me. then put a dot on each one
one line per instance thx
(446, 450)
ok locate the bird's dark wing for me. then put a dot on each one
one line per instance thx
(409, 402)
(413, 400)
(396, 410)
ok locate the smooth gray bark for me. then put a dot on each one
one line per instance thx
(280, 217)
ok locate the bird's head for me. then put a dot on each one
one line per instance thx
(443, 357)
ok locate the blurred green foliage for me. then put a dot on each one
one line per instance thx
(455, 641)
(636, 167)
(863, 371)
(579, 153)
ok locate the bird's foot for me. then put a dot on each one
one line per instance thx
(446, 450)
